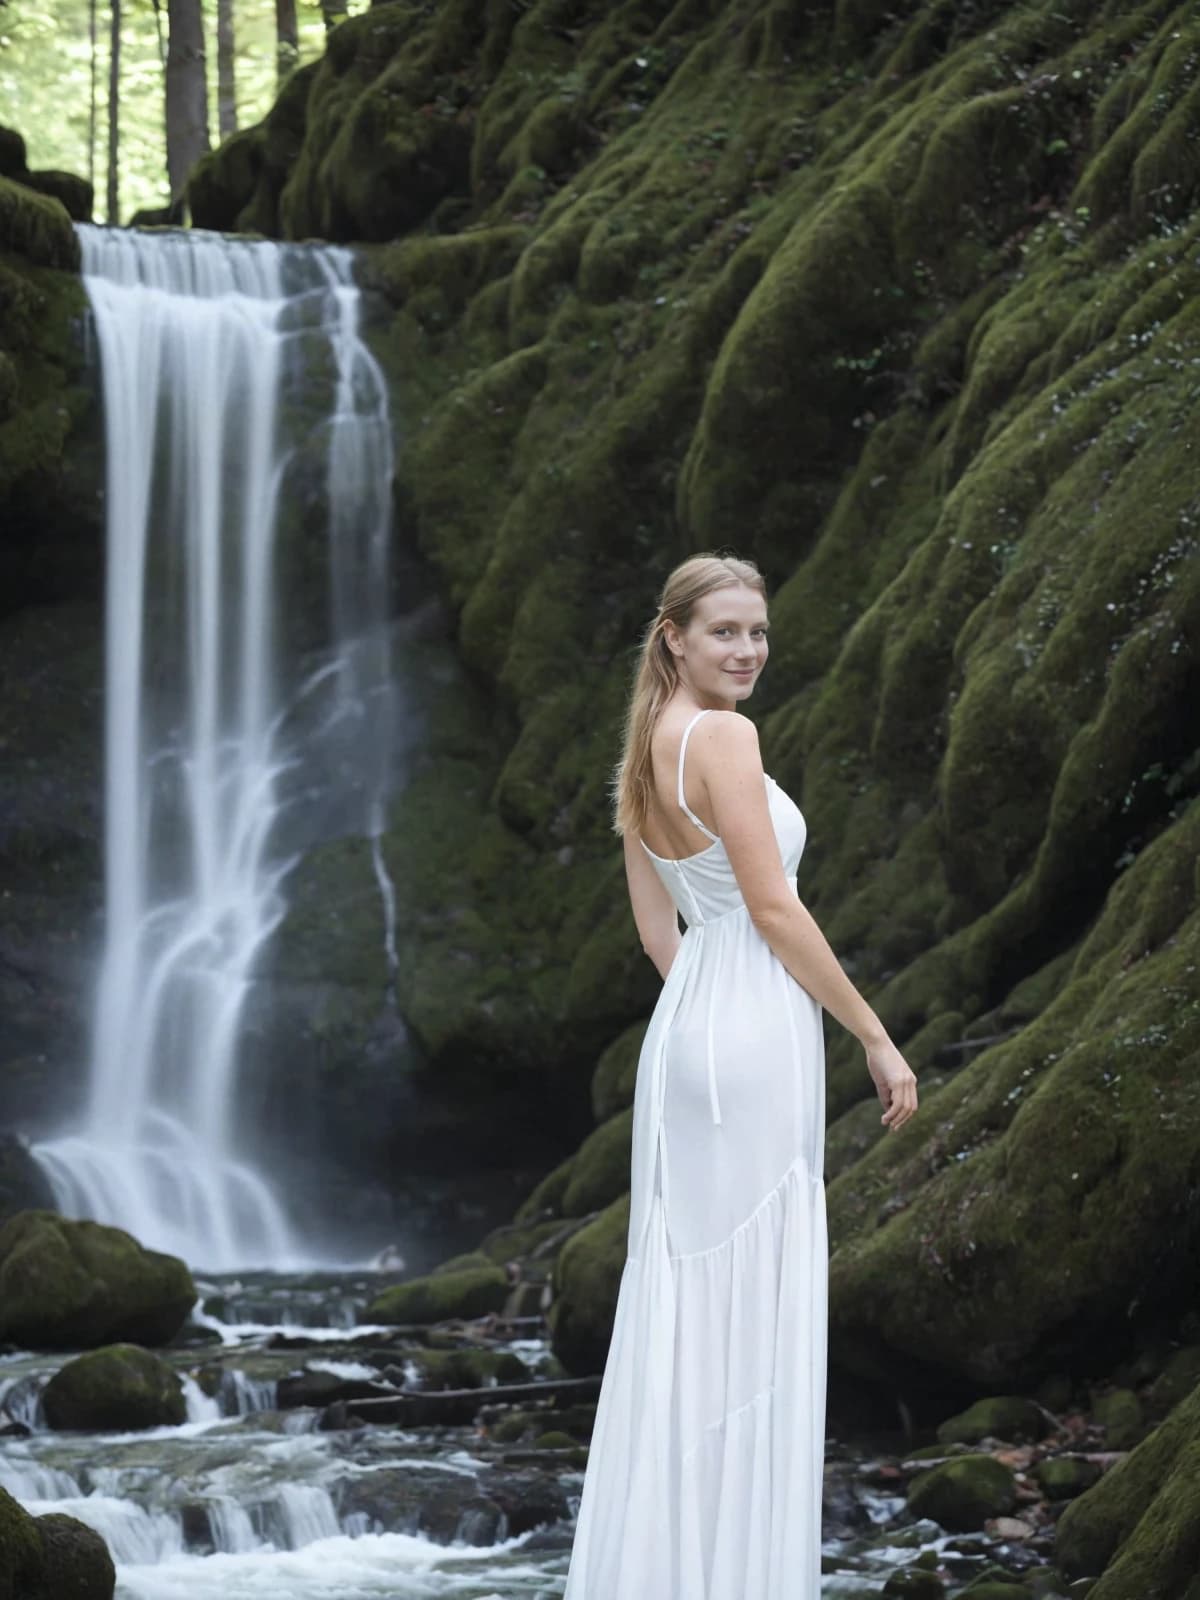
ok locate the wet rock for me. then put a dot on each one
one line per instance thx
(962, 1494)
(914, 1583)
(23, 1184)
(1120, 1414)
(1064, 1477)
(67, 1284)
(77, 1561)
(478, 1510)
(467, 1369)
(997, 1589)
(1007, 1416)
(470, 1293)
(312, 1387)
(54, 1557)
(118, 1388)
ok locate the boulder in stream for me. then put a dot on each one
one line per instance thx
(121, 1387)
(66, 1285)
(51, 1557)
(962, 1494)
(470, 1293)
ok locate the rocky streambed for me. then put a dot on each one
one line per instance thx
(319, 1455)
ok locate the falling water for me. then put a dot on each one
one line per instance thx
(200, 341)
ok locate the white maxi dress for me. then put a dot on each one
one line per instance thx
(705, 1472)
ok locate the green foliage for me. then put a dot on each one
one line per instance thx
(45, 73)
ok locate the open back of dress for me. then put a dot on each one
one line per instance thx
(705, 1471)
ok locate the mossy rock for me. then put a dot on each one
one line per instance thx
(77, 1561)
(1064, 1477)
(1006, 1417)
(548, 1196)
(1175, 1382)
(469, 1261)
(22, 1561)
(615, 1077)
(1138, 1529)
(587, 1279)
(467, 1369)
(600, 1173)
(961, 1495)
(67, 1284)
(471, 1293)
(37, 227)
(74, 192)
(1122, 1417)
(914, 1583)
(121, 1387)
(514, 1241)
(999, 1589)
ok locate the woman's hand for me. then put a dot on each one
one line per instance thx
(895, 1081)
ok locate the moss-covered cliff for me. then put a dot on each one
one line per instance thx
(50, 638)
(902, 301)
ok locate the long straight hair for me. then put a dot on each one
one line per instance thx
(656, 675)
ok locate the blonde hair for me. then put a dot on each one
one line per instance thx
(656, 675)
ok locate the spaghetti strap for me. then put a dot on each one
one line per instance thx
(682, 748)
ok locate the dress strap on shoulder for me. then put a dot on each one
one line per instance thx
(682, 748)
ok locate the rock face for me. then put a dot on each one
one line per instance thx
(51, 1557)
(23, 1184)
(1140, 1525)
(732, 274)
(69, 1284)
(118, 1388)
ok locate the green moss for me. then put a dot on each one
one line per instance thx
(37, 227)
(65, 1284)
(22, 1563)
(587, 1279)
(470, 1293)
(119, 1387)
(962, 1494)
(601, 1170)
(615, 1077)
(548, 1195)
(1006, 1417)
(1139, 1525)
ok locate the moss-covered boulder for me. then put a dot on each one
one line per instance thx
(118, 1388)
(1064, 1477)
(1138, 1528)
(615, 1077)
(78, 1565)
(471, 1292)
(913, 1583)
(586, 1281)
(1120, 1413)
(600, 1173)
(36, 226)
(1009, 1417)
(22, 1569)
(68, 1284)
(962, 1494)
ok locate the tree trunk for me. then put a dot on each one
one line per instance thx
(334, 11)
(92, 74)
(287, 41)
(187, 92)
(226, 86)
(114, 110)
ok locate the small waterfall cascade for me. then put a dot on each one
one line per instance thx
(229, 368)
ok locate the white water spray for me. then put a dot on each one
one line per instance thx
(195, 335)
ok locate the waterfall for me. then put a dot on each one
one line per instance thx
(213, 353)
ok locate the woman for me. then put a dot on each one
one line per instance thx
(705, 1471)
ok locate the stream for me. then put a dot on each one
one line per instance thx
(248, 1500)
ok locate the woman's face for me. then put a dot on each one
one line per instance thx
(724, 647)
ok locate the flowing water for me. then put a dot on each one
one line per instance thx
(246, 1501)
(228, 369)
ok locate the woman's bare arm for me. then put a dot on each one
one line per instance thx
(730, 766)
